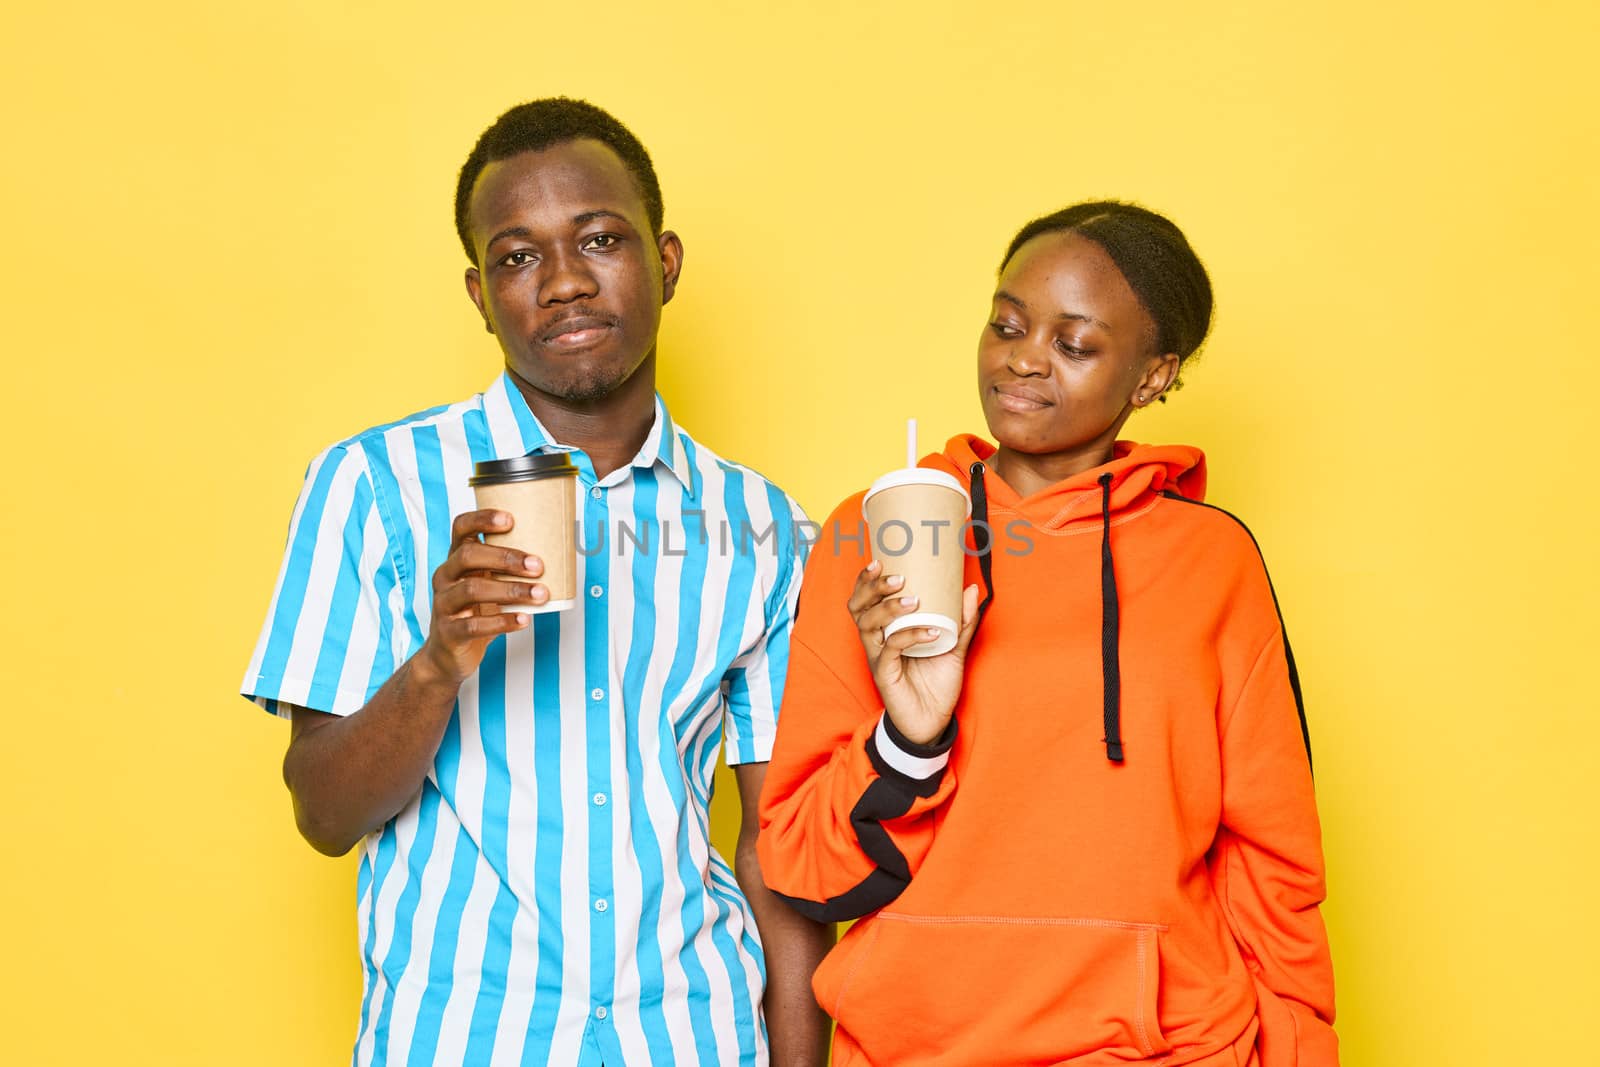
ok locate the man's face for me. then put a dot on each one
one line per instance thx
(571, 282)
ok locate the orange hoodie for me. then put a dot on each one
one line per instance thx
(1113, 854)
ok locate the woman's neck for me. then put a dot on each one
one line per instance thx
(1028, 474)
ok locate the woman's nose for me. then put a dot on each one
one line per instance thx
(1027, 358)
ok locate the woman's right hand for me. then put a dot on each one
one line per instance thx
(919, 693)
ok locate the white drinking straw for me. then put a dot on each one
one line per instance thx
(911, 442)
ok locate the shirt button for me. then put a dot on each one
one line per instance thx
(599, 800)
(600, 905)
(598, 694)
(600, 1012)
(596, 591)
(597, 493)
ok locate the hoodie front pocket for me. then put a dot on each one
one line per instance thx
(992, 989)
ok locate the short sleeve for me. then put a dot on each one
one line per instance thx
(754, 682)
(327, 643)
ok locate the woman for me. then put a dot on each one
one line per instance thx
(1086, 834)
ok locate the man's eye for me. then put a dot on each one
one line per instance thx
(602, 240)
(518, 259)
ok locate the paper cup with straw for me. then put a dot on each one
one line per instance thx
(915, 518)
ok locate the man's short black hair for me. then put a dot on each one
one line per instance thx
(541, 124)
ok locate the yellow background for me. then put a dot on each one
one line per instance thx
(229, 242)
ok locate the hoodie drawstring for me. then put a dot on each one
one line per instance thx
(982, 537)
(1110, 642)
(1110, 661)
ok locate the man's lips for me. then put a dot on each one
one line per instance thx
(576, 331)
(1020, 399)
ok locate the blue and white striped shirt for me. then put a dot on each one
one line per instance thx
(551, 895)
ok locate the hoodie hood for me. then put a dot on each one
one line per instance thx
(1138, 473)
(1134, 478)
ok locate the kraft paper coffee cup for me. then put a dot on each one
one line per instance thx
(915, 519)
(540, 493)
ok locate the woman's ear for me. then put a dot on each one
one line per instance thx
(1158, 377)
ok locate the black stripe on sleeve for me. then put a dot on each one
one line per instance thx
(1288, 650)
(888, 796)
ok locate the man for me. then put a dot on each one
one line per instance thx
(530, 790)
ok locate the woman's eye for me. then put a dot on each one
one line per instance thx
(1073, 350)
(1002, 329)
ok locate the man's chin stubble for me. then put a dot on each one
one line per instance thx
(588, 390)
(579, 387)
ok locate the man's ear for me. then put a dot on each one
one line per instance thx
(475, 291)
(671, 250)
(1157, 378)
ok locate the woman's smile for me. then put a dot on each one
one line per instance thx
(1021, 400)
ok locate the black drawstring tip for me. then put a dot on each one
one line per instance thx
(1114, 751)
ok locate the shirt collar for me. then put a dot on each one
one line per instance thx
(515, 431)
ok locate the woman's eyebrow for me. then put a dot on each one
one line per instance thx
(1090, 319)
(1012, 298)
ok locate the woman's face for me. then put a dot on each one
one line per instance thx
(1067, 349)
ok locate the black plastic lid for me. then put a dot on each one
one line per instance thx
(522, 468)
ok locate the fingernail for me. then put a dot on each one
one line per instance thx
(872, 568)
(522, 620)
(530, 563)
(896, 580)
(909, 601)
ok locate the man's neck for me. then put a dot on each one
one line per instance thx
(610, 430)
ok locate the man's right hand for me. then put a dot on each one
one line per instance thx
(350, 775)
(470, 589)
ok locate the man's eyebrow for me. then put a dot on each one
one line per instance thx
(598, 213)
(509, 231)
(577, 220)
(1012, 298)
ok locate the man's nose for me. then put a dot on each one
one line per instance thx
(569, 278)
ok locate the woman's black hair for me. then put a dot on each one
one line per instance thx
(1155, 258)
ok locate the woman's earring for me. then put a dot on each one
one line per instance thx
(1141, 398)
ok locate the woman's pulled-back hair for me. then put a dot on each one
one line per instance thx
(1152, 255)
